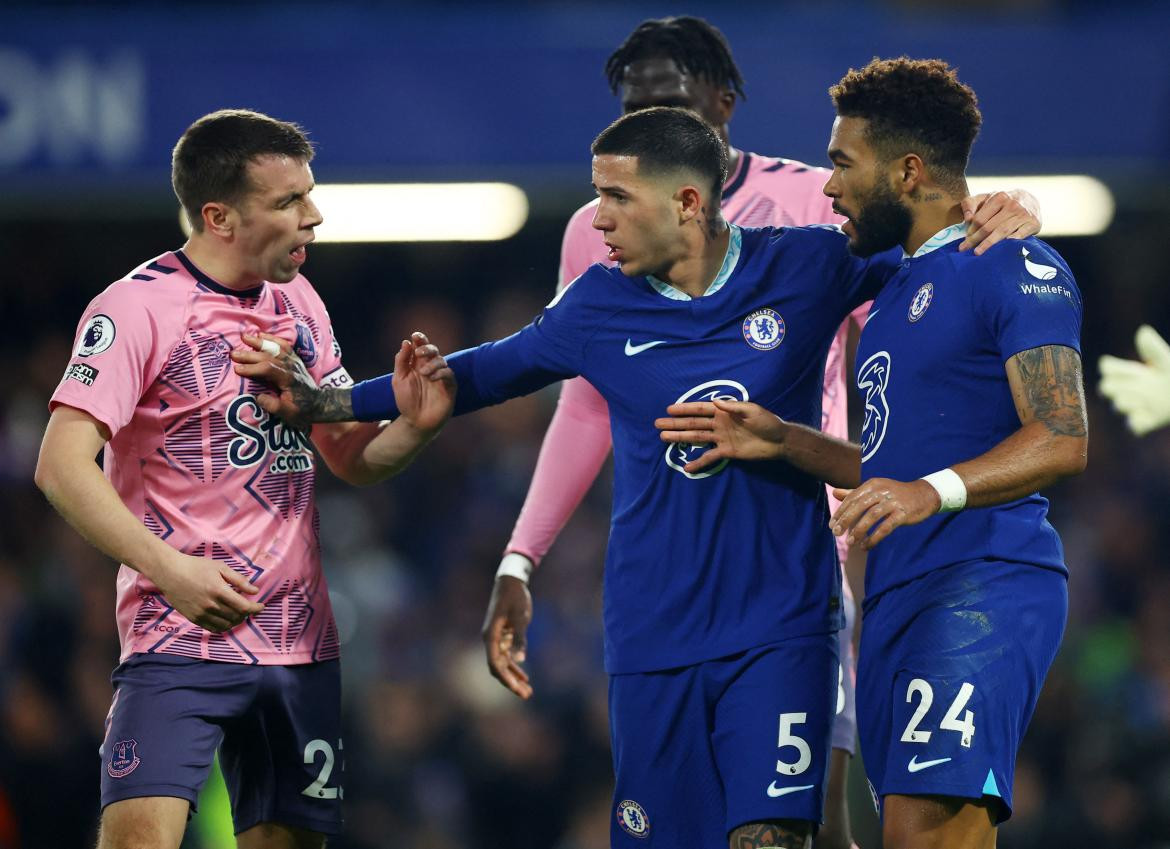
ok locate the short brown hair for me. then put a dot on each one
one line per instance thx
(913, 106)
(210, 160)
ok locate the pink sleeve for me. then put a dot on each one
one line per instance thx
(581, 247)
(578, 439)
(116, 356)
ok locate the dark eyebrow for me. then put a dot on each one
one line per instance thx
(836, 154)
(294, 196)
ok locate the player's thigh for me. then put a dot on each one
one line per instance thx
(667, 791)
(271, 835)
(283, 762)
(164, 726)
(772, 731)
(969, 651)
(149, 822)
(938, 822)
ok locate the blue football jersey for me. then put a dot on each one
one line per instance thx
(700, 566)
(931, 373)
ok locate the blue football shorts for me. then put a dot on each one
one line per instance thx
(950, 668)
(277, 729)
(703, 749)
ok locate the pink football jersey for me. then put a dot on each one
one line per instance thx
(762, 191)
(195, 457)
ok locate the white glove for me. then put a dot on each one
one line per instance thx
(1140, 391)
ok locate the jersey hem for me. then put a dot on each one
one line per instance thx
(718, 653)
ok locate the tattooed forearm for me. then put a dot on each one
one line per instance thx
(328, 404)
(1051, 389)
(778, 834)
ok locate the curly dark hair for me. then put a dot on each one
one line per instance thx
(696, 47)
(913, 106)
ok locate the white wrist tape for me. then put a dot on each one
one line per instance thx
(515, 566)
(952, 492)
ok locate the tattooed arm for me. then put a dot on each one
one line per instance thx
(777, 834)
(1052, 443)
(358, 453)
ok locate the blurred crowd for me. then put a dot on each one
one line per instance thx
(437, 753)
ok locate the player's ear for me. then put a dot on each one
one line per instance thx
(911, 173)
(217, 218)
(690, 202)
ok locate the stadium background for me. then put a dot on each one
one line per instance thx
(93, 97)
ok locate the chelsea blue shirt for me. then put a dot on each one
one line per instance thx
(700, 566)
(931, 373)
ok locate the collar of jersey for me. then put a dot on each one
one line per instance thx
(730, 261)
(943, 237)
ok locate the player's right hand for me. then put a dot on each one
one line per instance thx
(209, 593)
(505, 631)
(739, 430)
(296, 395)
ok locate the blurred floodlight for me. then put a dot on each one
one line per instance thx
(416, 212)
(419, 212)
(1070, 204)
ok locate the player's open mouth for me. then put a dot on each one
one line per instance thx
(298, 255)
(615, 253)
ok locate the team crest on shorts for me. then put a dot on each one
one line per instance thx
(632, 818)
(921, 302)
(124, 760)
(764, 329)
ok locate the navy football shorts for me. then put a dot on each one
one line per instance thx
(703, 749)
(277, 728)
(950, 668)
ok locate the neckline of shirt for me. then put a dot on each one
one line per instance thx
(211, 284)
(943, 237)
(730, 261)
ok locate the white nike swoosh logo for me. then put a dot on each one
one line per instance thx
(775, 791)
(870, 315)
(632, 349)
(915, 766)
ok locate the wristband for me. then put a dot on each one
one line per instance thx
(952, 492)
(515, 566)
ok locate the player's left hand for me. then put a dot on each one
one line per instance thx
(1140, 390)
(881, 500)
(991, 218)
(424, 386)
(283, 370)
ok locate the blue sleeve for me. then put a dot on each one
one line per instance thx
(549, 349)
(1027, 298)
(863, 278)
(859, 279)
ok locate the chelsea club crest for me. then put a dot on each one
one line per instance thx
(632, 818)
(921, 302)
(764, 329)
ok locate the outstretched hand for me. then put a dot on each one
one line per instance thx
(991, 218)
(424, 386)
(739, 430)
(273, 361)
